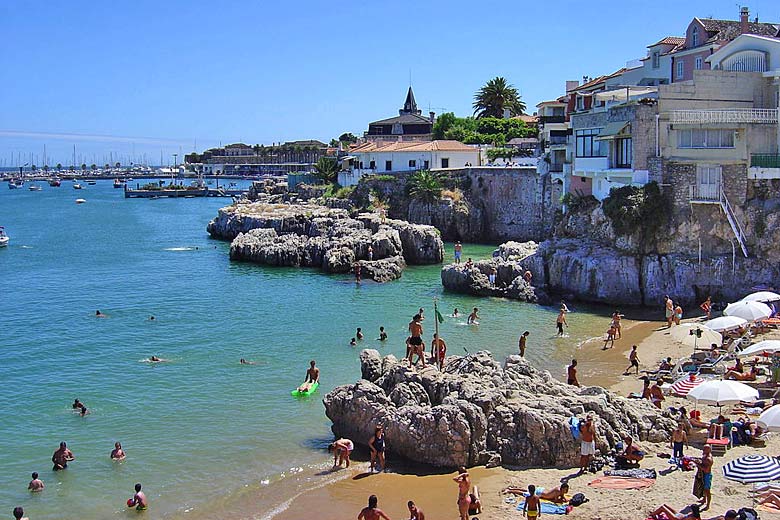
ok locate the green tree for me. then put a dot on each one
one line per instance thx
(327, 170)
(93, 167)
(33, 168)
(118, 165)
(348, 137)
(59, 166)
(444, 123)
(424, 186)
(495, 96)
(83, 167)
(106, 166)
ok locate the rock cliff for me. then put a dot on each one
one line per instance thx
(478, 411)
(316, 236)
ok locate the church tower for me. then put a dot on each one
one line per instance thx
(410, 105)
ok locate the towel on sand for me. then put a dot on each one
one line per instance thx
(548, 508)
(621, 483)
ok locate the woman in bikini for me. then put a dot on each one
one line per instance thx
(464, 485)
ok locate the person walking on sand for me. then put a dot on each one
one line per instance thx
(61, 457)
(377, 446)
(669, 309)
(571, 373)
(415, 513)
(458, 252)
(560, 321)
(372, 512)
(633, 359)
(706, 306)
(464, 486)
(678, 312)
(35, 484)
(702, 482)
(679, 437)
(587, 443)
(522, 343)
(532, 507)
(611, 331)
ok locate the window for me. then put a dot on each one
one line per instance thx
(361, 165)
(412, 163)
(695, 37)
(699, 62)
(680, 70)
(705, 138)
(656, 59)
(445, 162)
(372, 165)
(379, 130)
(580, 103)
(587, 145)
(426, 165)
(388, 166)
(623, 153)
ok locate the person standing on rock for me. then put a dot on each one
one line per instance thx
(492, 276)
(571, 373)
(357, 269)
(377, 446)
(415, 340)
(587, 443)
(464, 486)
(372, 512)
(560, 321)
(438, 350)
(370, 253)
(523, 340)
(458, 252)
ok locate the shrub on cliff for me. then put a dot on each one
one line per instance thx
(424, 186)
(632, 209)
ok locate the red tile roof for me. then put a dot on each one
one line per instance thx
(669, 40)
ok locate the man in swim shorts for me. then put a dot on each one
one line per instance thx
(705, 474)
(473, 318)
(415, 339)
(532, 503)
(312, 376)
(587, 443)
(522, 342)
(571, 373)
(35, 484)
(61, 457)
(139, 499)
(458, 252)
(438, 350)
(372, 512)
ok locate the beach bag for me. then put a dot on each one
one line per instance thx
(577, 500)
(747, 513)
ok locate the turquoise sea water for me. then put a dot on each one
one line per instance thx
(201, 427)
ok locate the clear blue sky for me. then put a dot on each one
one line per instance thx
(163, 74)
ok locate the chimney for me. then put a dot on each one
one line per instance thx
(571, 85)
(432, 116)
(744, 20)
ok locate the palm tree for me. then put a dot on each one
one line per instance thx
(424, 186)
(46, 168)
(83, 167)
(327, 170)
(106, 166)
(59, 166)
(495, 96)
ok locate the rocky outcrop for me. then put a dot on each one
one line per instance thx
(477, 410)
(510, 265)
(326, 238)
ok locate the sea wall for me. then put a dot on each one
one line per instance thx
(478, 411)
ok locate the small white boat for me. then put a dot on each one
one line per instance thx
(15, 185)
(78, 186)
(4, 239)
(91, 183)
(34, 187)
(81, 201)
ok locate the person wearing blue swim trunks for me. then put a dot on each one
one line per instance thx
(702, 483)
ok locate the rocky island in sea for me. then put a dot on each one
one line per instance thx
(309, 235)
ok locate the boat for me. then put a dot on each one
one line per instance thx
(4, 239)
(91, 183)
(81, 201)
(55, 182)
(35, 187)
(15, 185)
(77, 186)
(118, 183)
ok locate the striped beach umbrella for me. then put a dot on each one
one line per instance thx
(682, 386)
(752, 468)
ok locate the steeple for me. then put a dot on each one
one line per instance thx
(410, 105)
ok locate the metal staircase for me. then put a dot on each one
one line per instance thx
(713, 194)
(736, 227)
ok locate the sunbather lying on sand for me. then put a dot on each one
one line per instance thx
(671, 514)
(556, 494)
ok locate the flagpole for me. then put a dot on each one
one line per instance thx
(436, 322)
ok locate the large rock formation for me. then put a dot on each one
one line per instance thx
(316, 236)
(477, 411)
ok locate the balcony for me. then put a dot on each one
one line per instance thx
(551, 119)
(558, 140)
(765, 160)
(730, 115)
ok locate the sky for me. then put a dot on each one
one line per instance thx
(137, 80)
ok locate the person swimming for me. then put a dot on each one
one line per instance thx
(83, 411)
(246, 362)
(473, 318)
(77, 405)
(456, 313)
(382, 334)
(99, 314)
(61, 457)
(118, 453)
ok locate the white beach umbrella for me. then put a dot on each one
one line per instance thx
(752, 468)
(762, 296)
(770, 419)
(768, 346)
(725, 323)
(696, 335)
(748, 310)
(720, 393)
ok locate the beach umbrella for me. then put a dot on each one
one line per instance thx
(696, 335)
(748, 310)
(767, 346)
(770, 419)
(752, 468)
(725, 323)
(720, 393)
(762, 296)
(682, 386)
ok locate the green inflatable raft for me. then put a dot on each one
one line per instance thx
(297, 393)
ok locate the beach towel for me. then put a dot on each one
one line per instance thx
(698, 485)
(621, 483)
(549, 508)
(633, 473)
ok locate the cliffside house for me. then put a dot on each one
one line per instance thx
(408, 125)
(242, 159)
(377, 157)
(554, 132)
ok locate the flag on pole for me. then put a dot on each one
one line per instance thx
(439, 317)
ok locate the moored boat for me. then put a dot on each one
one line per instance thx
(55, 182)
(4, 239)
(34, 187)
(77, 186)
(118, 183)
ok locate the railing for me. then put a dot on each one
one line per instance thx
(552, 119)
(705, 193)
(729, 115)
(765, 160)
(558, 139)
(713, 193)
(736, 227)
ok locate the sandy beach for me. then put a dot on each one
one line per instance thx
(436, 494)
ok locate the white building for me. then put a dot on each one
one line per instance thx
(393, 157)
